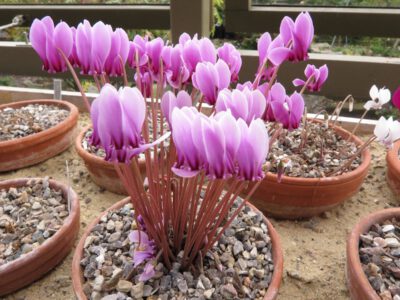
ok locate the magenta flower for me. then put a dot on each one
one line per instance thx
(175, 70)
(169, 101)
(118, 118)
(319, 76)
(219, 145)
(209, 79)
(231, 56)
(153, 50)
(138, 47)
(195, 51)
(297, 35)
(396, 98)
(48, 40)
(289, 112)
(246, 104)
(273, 51)
(93, 46)
(277, 93)
(253, 149)
(118, 55)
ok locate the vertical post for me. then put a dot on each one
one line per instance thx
(57, 86)
(192, 16)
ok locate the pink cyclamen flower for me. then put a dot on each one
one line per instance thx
(396, 98)
(319, 76)
(145, 84)
(253, 149)
(277, 93)
(175, 70)
(273, 51)
(289, 112)
(209, 79)
(118, 55)
(73, 57)
(169, 101)
(297, 35)
(246, 104)
(118, 118)
(48, 40)
(93, 46)
(231, 56)
(387, 131)
(195, 51)
(138, 48)
(154, 49)
(220, 145)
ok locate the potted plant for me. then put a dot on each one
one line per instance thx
(39, 221)
(183, 230)
(393, 156)
(35, 130)
(372, 254)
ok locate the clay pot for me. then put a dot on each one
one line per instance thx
(357, 281)
(35, 264)
(393, 168)
(277, 254)
(295, 198)
(102, 172)
(35, 148)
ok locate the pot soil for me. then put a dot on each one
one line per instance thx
(37, 230)
(301, 197)
(242, 276)
(35, 139)
(393, 168)
(373, 256)
(102, 172)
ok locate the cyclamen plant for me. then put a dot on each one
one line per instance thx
(183, 205)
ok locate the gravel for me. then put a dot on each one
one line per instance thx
(30, 119)
(380, 258)
(29, 215)
(323, 152)
(239, 266)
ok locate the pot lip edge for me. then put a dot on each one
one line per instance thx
(69, 222)
(67, 123)
(271, 291)
(393, 159)
(353, 261)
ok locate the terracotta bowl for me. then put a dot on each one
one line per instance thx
(393, 168)
(357, 281)
(35, 148)
(102, 172)
(295, 197)
(35, 264)
(277, 254)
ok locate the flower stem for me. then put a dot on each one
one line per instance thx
(358, 124)
(76, 79)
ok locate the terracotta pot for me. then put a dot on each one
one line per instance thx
(357, 281)
(296, 197)
(277, 254)
(393, 168)
(35, 264)
(102, 172)
(35, 148)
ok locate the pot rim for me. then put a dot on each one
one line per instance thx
(352, 247)
(392, 157)
(52, 241)
(345, 177)
(277, 254)
(67, 123)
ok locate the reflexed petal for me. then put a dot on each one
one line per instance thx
(148, 272)
(298, 82)
(374, 92)
(278, 55)
(286, 29)
(369, 104)
(136, 236)
(384, 96)
(224, 74)
(63, 38)
(37, 37)
(207, 50)
(262, 46)
(184, 173)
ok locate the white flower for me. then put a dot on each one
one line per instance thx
(378, 98)
(387, 131)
